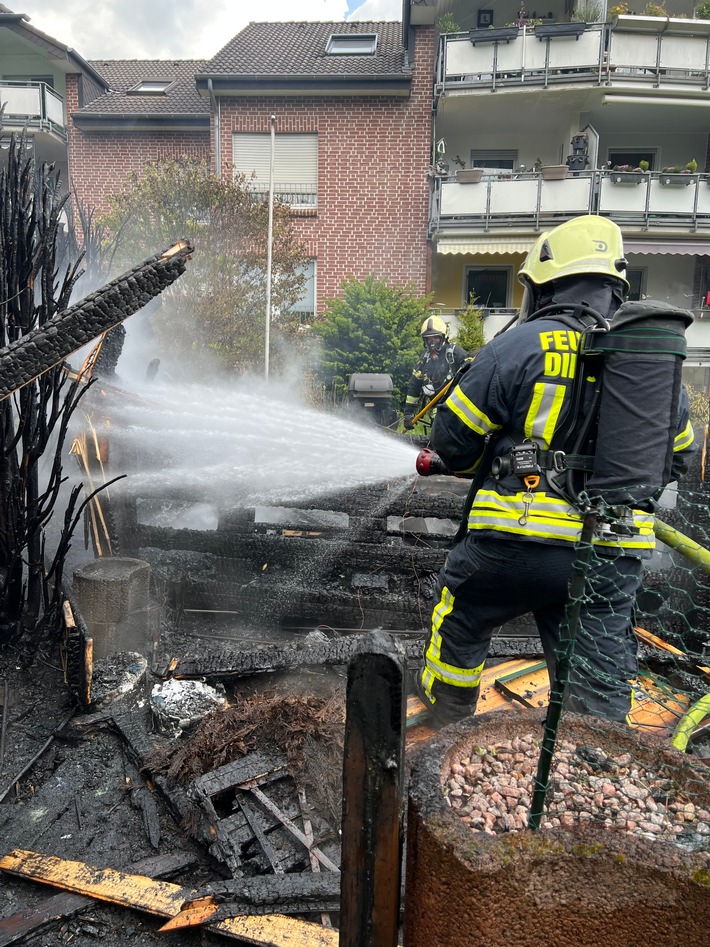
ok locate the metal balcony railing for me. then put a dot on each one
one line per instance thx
(650, 51)
(296, 195)
(34, 104)
(526, 201)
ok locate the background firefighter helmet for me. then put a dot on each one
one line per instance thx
(434, 332)
(585, 245)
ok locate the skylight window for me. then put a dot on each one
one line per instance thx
(152, 87)
(351, 44)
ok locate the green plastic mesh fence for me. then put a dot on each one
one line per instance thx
(648, 772)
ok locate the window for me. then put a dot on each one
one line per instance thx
(151, 87)
(489, 286)
(306, 304)
(351, 44)
(618, 157)
(488, 158)
(295, 165)
(636, 276)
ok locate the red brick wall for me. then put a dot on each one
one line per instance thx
(100, 162)
(373, 156)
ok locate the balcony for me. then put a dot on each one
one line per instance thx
(636, 51)
(35, 105)
(526, 202)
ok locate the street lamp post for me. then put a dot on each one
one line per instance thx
(269, 250)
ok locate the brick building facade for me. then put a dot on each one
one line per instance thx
(372, 148)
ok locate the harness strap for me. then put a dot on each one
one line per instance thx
(558, 460)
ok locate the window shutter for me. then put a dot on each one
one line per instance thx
(295, 159)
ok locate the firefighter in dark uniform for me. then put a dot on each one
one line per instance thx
(438, 364)
(519, 548)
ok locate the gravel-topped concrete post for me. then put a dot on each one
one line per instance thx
(621, 856)
(113, 596)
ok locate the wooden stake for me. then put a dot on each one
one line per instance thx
(372, 794)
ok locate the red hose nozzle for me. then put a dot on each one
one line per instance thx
(429, 463)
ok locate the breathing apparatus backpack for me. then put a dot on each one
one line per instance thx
(631, 425)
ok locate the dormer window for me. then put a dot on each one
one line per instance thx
(152, 87)
(351, 44)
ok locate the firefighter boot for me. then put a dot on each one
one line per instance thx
(446, 704)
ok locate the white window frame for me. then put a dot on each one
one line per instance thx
(351, 44)
(151, 87)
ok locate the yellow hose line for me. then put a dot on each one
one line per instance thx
(435, 400)
(688, 547)
(689, 721)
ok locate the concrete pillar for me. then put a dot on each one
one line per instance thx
(113, 596)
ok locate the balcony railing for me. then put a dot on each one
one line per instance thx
(296, 195)
(527, 201)
(34, 104)
(642, 50)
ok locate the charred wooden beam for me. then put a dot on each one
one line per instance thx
(15, 928)
(48, 345)
(229, 663)
(285, 894)
(373, 775)
(160, 898)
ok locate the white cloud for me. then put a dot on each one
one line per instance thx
(191, 29)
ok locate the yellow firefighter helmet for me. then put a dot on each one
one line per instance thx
(586, 244)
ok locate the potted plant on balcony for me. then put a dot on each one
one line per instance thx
(554, 172)
(627, 174)
(469, 175)
(677, 176)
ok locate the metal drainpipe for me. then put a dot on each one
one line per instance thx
(215, 112)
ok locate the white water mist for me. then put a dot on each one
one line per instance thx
(253, 444)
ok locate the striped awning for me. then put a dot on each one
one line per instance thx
(483, 244)
(699, 248)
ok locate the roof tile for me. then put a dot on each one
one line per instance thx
(124, 74)
(298, 49)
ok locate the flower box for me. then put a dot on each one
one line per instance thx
(554, 172)
(627, 177)
(677, 179)
(469, 175)
(545, 30)
(503, 35)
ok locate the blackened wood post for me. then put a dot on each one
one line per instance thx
(372, 794)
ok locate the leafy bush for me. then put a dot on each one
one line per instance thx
(372, 327)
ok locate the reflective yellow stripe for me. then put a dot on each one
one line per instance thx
(548, 518)
(544, 411)
(412, 399)
(448, 674)
(684, 439)
(469, 414)
(435, 669)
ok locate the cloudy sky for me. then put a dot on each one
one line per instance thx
(186, 29)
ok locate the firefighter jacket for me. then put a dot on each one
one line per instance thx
(431, 373)
(520, 388)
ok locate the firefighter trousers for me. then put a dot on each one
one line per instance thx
(486, 582)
